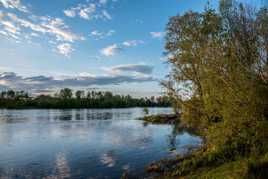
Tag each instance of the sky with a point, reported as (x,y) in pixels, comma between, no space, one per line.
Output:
(106,45)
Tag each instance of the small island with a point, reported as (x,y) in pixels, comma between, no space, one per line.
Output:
(161,119)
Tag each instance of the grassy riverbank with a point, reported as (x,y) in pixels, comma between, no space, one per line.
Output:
(207,162)
(216,165)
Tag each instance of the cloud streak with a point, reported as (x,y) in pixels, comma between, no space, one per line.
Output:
(65,49)
(131,68)
(132,43)
(13,4)
(113,49)
(97,35)
(157,35)
(114,76)
(29,26)
(90,10)
(110,50)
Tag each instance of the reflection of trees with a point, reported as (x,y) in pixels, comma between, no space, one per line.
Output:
(172,137)
(64,115)
(78,115)
(99,115)
(13,116)
(67,115)
(177,130)
(93,114)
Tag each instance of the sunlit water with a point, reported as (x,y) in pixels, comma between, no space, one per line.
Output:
(84,143)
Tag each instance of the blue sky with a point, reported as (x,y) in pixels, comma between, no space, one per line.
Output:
(114,45)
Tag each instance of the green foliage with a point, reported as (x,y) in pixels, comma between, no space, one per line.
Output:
(146,111)
(161,119)
(219,78)
(220,61)
(66,99)
(257,168)
(66,93)
(79,94)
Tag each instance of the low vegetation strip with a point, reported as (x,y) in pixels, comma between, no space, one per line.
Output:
(161,119)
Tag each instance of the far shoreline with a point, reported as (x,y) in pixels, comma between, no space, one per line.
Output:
(35,108)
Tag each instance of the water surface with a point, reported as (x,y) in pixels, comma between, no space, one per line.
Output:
(84,143)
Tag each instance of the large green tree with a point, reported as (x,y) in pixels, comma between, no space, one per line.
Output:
(219,73)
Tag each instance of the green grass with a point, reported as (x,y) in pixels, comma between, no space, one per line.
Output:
(206,165)
(232,170)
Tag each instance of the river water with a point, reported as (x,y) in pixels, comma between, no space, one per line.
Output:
(86,143)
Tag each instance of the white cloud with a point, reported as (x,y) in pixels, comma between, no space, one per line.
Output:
(33,34)
(13,4)
(28,26)
(133,69)
(167,57)
(25,23)
(9,29)
(96,33)
(110,50)
(157,34)
(132,43)
(89,11)
(106,15)
(102,1)
(37,83)
(12,26)
(106,1)
(57,27)
(113,49)
(86,74)
(101,35)
(70,13)
(3,33)
(65,49)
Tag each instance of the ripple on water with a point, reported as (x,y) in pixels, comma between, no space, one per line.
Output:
(84,143)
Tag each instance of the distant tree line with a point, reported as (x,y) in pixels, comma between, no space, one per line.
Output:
(67,98)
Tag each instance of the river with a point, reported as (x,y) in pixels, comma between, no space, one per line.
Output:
(86,143)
